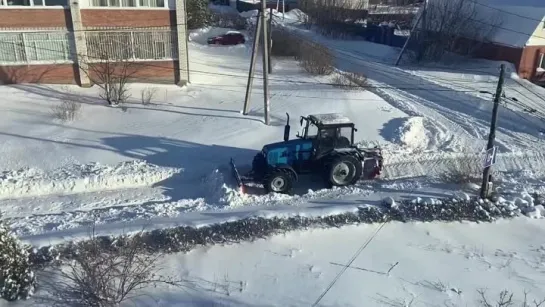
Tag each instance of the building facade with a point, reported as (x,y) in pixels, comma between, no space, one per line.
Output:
(55,41)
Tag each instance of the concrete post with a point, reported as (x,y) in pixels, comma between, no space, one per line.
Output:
(181,32)
(80,44)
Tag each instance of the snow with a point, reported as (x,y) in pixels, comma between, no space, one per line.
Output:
(186,137)
(415,132)
(330,118)
(425,263)
(166,164)
(81,178)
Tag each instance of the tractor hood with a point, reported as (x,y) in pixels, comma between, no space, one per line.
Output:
(286,145)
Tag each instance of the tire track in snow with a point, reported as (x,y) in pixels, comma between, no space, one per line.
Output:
(406,165)
(462,132)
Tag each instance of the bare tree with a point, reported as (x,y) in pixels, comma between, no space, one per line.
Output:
(105,274)
(111,66)
(458,26)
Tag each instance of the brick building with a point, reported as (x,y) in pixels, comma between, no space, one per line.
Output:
(53,41)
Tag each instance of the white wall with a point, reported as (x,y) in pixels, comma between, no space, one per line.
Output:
(538,37)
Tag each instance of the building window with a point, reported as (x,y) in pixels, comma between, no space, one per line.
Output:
(138,45)
(128,3)
(541,64)
(34,47)
(34,2)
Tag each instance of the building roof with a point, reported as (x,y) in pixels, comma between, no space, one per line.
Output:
(518,19)
(514,21)
(330,119)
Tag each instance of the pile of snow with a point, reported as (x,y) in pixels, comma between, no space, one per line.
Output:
(80,178)
(218,190)
(416,133)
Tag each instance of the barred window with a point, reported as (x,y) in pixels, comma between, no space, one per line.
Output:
(34,2)
(34,47)
(139,45)
(124,3)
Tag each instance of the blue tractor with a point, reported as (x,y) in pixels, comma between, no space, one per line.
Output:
(325,147)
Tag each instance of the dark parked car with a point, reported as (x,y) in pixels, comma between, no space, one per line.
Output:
(229,38)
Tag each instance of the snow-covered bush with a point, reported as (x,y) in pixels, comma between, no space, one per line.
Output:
(17,278)
(198,14)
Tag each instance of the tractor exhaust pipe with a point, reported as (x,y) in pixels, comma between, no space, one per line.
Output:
(287,129)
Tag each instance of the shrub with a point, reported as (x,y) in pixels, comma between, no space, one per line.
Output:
(104,274)
(316,59)
(350,81)
(67,110)
(147,95)
(17,280)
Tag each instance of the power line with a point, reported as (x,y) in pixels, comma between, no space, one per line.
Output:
(506,12)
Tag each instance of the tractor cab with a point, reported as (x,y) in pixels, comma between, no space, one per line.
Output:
(328,132)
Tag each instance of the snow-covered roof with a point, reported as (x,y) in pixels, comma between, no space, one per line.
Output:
(330,118)
(518,19)
(514,21)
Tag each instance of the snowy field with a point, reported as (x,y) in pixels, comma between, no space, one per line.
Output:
(166,164)
(400,264)
(437,265)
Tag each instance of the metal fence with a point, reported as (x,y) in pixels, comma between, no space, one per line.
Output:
(58,46)
(27,47)
(138,45)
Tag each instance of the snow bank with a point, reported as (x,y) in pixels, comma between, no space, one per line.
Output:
(81,178)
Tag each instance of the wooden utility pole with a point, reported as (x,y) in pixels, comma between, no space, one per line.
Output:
(265,63)
(411,33)
(492,136)
(269,37)
(257,34)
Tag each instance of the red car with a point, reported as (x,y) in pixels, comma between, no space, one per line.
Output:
(229,38)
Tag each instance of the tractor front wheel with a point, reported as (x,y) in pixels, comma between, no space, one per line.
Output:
(344,170)
(278,181)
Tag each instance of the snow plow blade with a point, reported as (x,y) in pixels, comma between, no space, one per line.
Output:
(236,174)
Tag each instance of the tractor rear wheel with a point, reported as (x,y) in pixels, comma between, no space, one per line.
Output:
(278,181)
(344,170)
